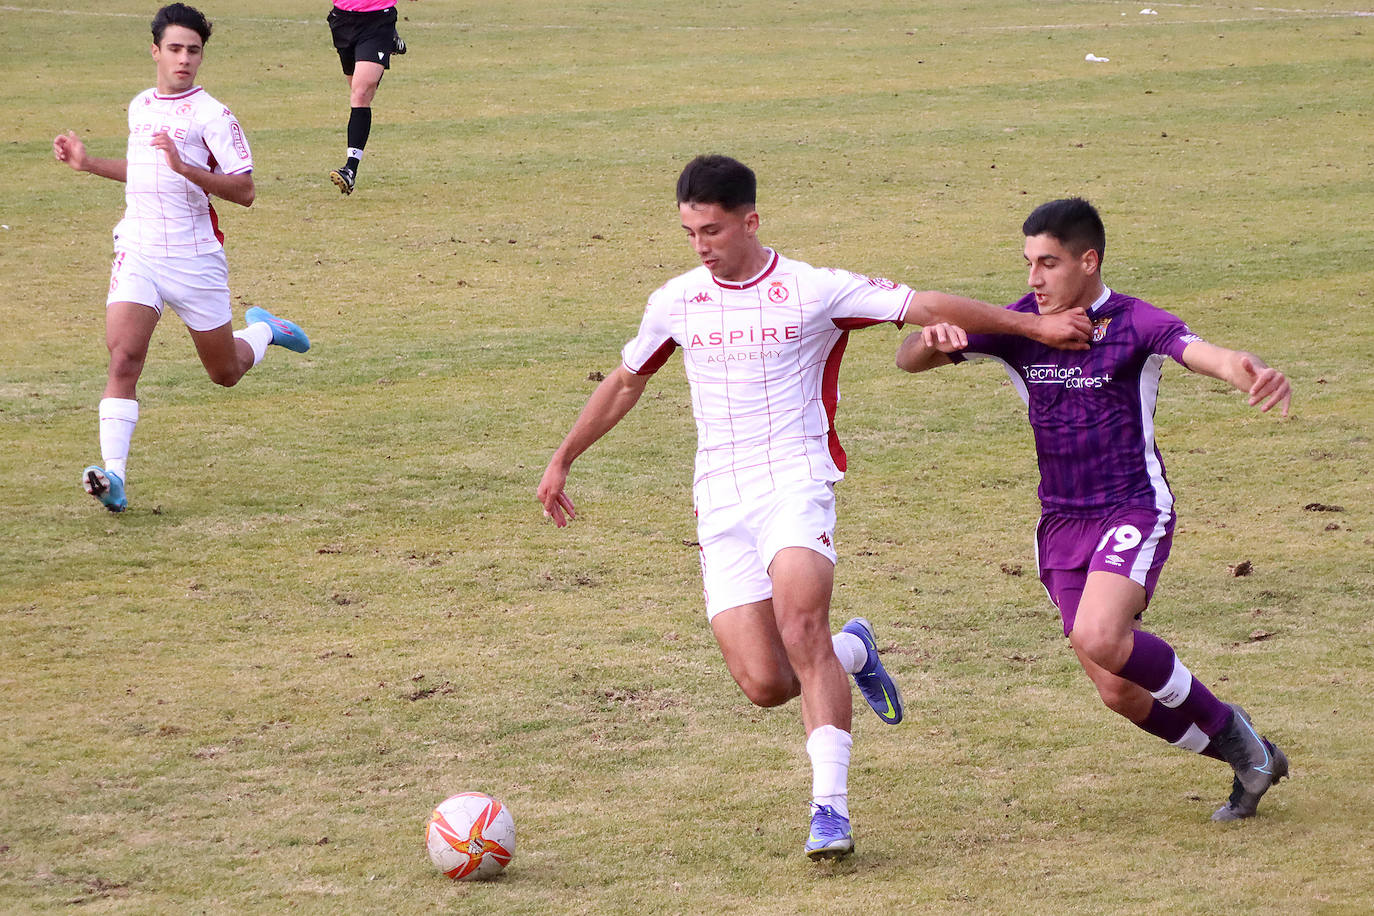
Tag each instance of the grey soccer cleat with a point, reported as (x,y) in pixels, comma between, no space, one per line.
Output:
(1258,764)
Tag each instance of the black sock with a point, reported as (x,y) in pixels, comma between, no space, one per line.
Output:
(359,126)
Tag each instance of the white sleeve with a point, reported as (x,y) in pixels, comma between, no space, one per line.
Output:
(227,144)
(858,298)
(646,353)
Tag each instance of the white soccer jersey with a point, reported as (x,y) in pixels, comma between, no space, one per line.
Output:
(165,215)
(763,360)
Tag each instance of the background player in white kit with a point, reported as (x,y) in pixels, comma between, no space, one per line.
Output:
(183,147)
(762,337)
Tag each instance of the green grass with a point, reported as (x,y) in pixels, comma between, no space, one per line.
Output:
(335,600)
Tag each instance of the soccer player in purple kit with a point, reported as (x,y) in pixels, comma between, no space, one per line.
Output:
(1107,517)
(762,337)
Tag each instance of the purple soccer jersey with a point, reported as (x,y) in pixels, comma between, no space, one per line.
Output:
(1092,411)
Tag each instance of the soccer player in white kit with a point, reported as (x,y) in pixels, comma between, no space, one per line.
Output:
(183,147)
(762,337)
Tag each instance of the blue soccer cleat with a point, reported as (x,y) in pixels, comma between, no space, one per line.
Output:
(285,333)
(873,680)
(830,836)
(106,487)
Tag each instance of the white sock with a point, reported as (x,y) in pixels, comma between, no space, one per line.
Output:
(851,651)
(118,417)
(355,154)
(828,748)
(1194,739)
(258,336)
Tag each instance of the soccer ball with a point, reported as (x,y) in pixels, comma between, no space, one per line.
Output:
(470,835)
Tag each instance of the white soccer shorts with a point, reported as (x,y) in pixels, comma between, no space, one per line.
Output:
(197,287)
(739,542)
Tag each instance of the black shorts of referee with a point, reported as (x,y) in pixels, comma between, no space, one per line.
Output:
(363,36)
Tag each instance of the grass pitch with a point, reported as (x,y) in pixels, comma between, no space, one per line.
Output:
(335,602)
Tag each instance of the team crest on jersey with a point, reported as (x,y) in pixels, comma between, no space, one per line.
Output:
(777,292)
(184,108)
(1100,328)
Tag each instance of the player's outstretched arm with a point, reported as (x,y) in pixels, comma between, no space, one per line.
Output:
(1068,330)
(1267,387)
(237,189)
(68,148)
(608,404)
(927,348)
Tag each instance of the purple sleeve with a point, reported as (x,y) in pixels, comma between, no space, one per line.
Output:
(1162,332)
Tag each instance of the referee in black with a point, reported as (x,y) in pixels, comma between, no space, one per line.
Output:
(365,36)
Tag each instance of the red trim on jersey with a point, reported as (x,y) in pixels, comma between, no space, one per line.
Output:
(657,359)
(854,324)
(214,224)
(214,217)
(172,98)
(726,284)
(830,396)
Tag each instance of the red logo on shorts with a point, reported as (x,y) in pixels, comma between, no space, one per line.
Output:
(114,270)
(823,538)
(777,292)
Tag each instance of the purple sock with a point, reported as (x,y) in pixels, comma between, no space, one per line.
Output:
(1153,665)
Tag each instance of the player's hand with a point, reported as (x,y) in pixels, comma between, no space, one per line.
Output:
(557,505)
(68,148)
(164,142)
(1070,330)
(1270,387)
(947,338)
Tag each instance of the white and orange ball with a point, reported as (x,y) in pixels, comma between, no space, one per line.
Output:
(470,836)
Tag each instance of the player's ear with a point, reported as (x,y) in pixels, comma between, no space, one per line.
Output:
(751,221)
(1090,261)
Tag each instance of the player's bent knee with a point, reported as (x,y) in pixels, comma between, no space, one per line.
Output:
(125,365)
(799,631)
(768,692)
(1101,645)
(226,378)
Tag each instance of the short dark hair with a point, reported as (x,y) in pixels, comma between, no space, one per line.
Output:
(182,15)
(1073,221)
(716,179)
